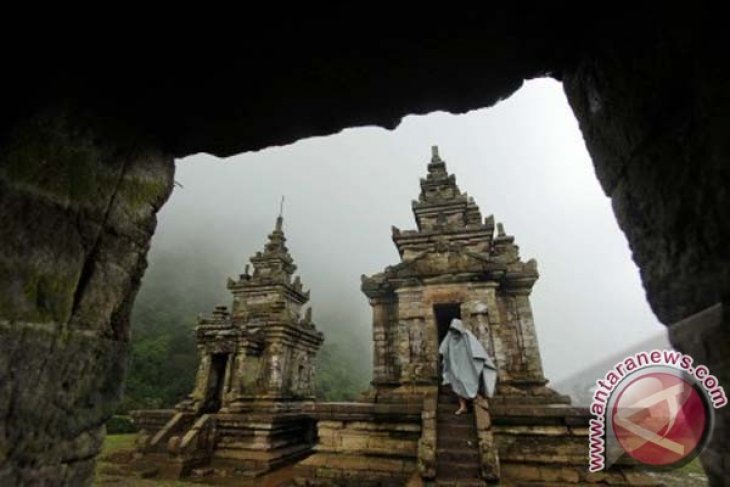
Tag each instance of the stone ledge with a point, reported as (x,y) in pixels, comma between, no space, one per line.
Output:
(367,412)
(530,400)
(251,417)
(539,415)
(357,463)
(564,475)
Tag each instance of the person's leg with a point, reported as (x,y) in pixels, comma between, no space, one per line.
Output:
(462,405)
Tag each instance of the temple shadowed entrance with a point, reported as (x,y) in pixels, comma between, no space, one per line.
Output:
(443,314)
(213,399)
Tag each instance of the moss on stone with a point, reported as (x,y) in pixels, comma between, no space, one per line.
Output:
(46,157)
(140,193)
(48,296)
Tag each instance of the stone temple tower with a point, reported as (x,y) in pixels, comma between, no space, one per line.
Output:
(248,411)
(453,266)
(264,348)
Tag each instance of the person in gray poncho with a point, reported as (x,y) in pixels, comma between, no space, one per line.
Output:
(466,364)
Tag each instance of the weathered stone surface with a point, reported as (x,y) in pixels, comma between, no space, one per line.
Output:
(152,420)
(543,445)
(428,437)
(78,210)
(329,469)
(654,115)
(650,154)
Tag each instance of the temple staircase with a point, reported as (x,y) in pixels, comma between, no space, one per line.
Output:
(184,442)
(457,444)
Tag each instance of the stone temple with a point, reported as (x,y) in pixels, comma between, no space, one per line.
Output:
(453,266)
(252,406)
(255,378)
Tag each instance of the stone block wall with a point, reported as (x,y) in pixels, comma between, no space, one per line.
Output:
(548,445)
(363,444)
(151,420)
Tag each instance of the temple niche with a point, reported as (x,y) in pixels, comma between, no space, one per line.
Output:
(255,381)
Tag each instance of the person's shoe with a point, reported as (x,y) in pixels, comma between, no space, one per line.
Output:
(460,410)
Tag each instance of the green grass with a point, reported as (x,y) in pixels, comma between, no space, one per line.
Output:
(690,475)
(115,443)
(693,467)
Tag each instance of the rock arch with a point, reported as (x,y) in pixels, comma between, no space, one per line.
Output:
(87,160)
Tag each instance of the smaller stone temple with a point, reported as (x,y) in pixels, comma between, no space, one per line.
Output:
(255,378)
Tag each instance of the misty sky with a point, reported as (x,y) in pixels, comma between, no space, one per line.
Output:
(522,160)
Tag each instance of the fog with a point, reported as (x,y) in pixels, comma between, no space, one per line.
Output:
(522,160)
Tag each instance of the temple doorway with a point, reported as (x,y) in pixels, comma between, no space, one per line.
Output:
(213,395)
(443,314)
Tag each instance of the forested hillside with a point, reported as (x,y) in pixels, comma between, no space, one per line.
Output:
(179,285)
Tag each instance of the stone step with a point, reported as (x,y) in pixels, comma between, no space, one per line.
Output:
(463,469)
(448,440)
(452,471)
(461,437)
(463,425)
(460,483)
(461,456)
(464,430)
(451,418)
(453,404)
(457,442)
(450,401)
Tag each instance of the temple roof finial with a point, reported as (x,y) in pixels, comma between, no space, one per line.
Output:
(280,218)
(435,154)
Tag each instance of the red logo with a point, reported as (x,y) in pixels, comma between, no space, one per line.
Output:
(660,418)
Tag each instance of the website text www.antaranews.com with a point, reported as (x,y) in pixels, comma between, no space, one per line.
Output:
(628,366)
